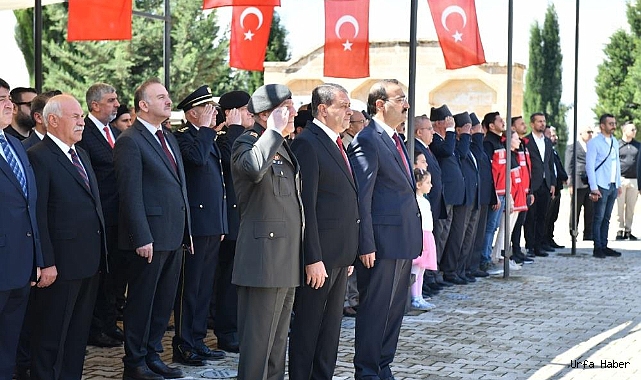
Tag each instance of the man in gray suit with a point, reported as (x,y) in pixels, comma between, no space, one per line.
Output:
(268,263)
(576,184)
(153,224)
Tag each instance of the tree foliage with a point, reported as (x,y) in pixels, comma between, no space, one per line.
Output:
(199,52)
(544,85)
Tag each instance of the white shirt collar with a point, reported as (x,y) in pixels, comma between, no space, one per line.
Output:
(389,130)
(63,147)
(150,127)
(332,135)
(40,136)
(97,122)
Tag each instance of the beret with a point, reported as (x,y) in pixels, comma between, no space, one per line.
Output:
(268,97)
(460,119)
(201,96)
(440,113)
(233,99)
(122,109)
(475,120)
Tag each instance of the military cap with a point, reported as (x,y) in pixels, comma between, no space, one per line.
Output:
(201,96)
(460,119)
(268,97)
(440,113)
(233,99)
(475,120)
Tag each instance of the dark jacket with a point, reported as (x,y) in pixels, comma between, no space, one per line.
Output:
(628,154)
(444,150)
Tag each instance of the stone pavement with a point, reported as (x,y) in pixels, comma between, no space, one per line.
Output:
(561,312)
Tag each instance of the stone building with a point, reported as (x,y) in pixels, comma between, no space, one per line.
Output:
(480,89)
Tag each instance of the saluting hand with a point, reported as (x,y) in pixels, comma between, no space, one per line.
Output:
(205,118)
(278,120)
(233,117)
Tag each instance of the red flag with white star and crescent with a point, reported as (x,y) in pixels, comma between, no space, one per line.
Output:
(346,39)
(207,4)
(96,20)
(249,34)
(458,32)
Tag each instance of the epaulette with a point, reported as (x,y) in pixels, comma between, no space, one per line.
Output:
(183,129)
(253,134)
(221,132)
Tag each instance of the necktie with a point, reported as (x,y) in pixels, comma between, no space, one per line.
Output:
(13,163)
(165,148)
(339,142)
(109,140)
(76,162)
(399,148)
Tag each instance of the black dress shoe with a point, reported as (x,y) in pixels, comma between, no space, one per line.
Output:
(631,237)
(186,356)
(611,252)
(455,280)
(547,248)
(444,283)
(598,253)
(553,244)
(530,253)
(103,340)
(233,345)
(208,353)
(541,253)
(480,273)
(469,278)
(116,333)
(620,235)
(164,370)
(140,373)
(434,286)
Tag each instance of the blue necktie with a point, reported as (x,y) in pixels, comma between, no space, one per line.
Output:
(13,163)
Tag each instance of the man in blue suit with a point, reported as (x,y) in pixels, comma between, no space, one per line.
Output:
(390,233)
(20,253)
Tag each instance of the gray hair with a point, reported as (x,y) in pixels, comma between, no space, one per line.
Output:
(96,92)
(325,94)
(53,107)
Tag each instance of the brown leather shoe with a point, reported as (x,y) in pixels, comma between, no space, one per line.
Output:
(349,311)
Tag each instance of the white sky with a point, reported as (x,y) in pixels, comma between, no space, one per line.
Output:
(389,20)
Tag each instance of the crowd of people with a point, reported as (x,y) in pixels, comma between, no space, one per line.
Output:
(272,222)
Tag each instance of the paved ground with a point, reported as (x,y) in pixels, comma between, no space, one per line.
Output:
(561,312)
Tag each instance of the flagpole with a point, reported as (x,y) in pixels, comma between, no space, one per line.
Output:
(37,44)
(508,135)
(574,231)
(166,18)
(411,88)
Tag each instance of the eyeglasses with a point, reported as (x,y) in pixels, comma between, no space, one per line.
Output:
(357,121)
(400,99)
(22,104)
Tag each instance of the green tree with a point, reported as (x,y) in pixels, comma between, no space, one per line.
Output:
(543,81)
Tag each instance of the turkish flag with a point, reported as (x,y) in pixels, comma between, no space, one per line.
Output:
(249,34)
(99,20)
(346,39)
(227,3)
(458,32)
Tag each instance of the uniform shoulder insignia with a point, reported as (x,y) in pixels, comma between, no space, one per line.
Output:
(183,129)
(253,134)
(221,132)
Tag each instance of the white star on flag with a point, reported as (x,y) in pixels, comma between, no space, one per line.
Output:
(249,35)
(457,36)
(347,46)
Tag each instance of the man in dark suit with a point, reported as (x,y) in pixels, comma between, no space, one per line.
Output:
(20,253)
(225,303)
(582,188)
(98,140)
(206,193)
(22,123)
(561,178)
(390,230)
(268,261)
(331,235)
(542,183)
(449,231)
(39,130)
(153,222)
(72,232)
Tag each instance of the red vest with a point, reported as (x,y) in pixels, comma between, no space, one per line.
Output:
(518,191)
(525,165)
(498,171)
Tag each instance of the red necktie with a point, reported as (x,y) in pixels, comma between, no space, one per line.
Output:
(109,140)
(161,137)
(399,148)
(339,142)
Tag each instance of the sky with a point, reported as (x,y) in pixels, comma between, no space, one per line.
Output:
(389,20)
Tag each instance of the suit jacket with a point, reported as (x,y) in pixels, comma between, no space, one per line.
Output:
(487,192)
(267,184)
(580,165)
(444,150)
(561,174)
(329,199)
(470,171)
(390,217)
(155,207)
(30,141)
(205,184)
(542,170)
(102,162)
(435,196)
(225,143)
(70,220)
(20,250)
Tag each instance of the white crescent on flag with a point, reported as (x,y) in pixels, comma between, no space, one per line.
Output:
(337,29)
(453,9)
(251,11)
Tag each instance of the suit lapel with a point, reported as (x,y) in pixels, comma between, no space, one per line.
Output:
(391,145)
(533,146)
(332,149)
(66,163)
(93,183)
(155,145)
(93,129)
